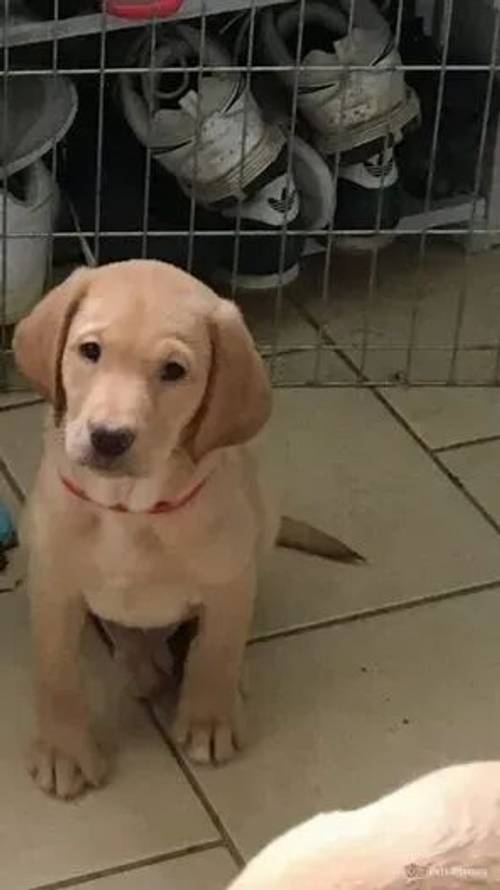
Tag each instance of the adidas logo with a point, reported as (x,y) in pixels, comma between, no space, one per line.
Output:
(285,203)
(380,165)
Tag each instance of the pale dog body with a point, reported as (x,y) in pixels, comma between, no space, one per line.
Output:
(130,566)
(441,832)
(151,570)
(136,568)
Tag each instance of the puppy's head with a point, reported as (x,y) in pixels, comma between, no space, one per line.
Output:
(139,358)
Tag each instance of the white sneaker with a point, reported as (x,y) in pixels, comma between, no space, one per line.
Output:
(196,128)
(345,109)
(36,112)
(32,202)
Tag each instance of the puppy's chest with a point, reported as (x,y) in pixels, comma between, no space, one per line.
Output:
(135,575)
(149,571)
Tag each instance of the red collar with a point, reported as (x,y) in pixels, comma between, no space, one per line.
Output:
(160,507)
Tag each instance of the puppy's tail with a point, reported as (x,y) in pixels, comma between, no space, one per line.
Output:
(297,535)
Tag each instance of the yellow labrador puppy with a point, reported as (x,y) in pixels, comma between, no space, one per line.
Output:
(441,832)
(147,509)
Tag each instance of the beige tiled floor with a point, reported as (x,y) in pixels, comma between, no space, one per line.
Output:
(351,710)
(404,292)
(148,810)
(478,468)
(444,417)
(209,870)
(360,677)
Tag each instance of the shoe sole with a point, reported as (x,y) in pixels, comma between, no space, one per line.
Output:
(363,243)
(398,121)
(48,144)
(260,282)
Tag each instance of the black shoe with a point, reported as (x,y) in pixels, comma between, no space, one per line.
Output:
(121,209)
(234,165)
(275,209)
(461,120)
(368,197)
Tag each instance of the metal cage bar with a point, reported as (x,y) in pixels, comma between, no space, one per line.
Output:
(340,306)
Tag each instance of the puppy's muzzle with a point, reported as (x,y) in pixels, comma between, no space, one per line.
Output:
(109,444)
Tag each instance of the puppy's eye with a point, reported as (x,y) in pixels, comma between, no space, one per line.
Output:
(90,351)
(172,371)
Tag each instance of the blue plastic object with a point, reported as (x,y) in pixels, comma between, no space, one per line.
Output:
(8,534)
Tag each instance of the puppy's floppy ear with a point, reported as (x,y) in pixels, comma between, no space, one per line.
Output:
(237,401)
(40,338)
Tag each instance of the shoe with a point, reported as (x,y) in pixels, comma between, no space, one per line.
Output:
(32,200)
(464,97)
(270,260)
(36,112)
(371,14)
(247,190)
(374,105)
(368,198)
(196,129)
(306,200)
(120,205)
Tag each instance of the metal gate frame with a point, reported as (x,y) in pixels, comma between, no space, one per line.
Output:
(472,25)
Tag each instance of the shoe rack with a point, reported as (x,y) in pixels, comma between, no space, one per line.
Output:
(471,220)
(39,32)
(473,22)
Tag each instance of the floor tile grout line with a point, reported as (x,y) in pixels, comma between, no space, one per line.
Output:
(195,785)
(456,482)
(382,399)
(198,790)
(15,406)
(135,865)
(366,614)
(467,443)
(225,841)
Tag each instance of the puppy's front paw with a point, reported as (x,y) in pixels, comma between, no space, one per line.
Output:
(67,775)
(209,736)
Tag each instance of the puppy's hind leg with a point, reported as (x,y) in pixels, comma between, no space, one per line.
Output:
(145,657)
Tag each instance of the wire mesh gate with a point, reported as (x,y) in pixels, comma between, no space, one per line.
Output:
(334,165)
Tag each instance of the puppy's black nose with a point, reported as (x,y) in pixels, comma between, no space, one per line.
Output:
(111,442)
